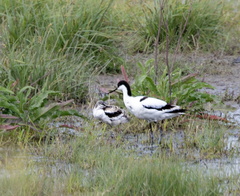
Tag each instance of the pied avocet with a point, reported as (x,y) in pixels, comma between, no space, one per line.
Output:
(110,114)
(148,108)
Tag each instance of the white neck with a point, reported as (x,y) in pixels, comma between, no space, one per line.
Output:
(125,92)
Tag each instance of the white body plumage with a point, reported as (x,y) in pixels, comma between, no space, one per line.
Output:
(148,108)
(110,114)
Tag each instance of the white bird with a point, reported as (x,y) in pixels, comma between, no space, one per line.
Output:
(148,108)
(110,114)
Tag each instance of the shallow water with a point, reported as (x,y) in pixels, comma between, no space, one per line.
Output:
(13,161)
(140,144)
(224,167)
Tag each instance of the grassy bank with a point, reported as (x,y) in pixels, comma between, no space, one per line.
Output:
(60,45)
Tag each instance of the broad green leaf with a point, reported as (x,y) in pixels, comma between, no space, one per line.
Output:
(140,79)
(5,90)
(49,110)
(68,113)
(46,112)
(152,85)
(9,98)
(184,89)
(38,99)
(23,97)
(25,88)
(11,107)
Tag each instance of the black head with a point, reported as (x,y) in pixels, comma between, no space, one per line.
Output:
(124,83)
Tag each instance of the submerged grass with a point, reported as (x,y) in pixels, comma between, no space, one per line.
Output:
(208,137)
(93,167)
(160,177)
(94,163)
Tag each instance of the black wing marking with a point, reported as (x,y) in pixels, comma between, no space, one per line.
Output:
(143,99)
(113,114)
(166,107)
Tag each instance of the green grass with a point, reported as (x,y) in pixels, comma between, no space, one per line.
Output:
(93,164)
(95,167)
(37,67)
(59,51)
(60,46)
(73,26)
(198,23)
(158,177)
(207,137)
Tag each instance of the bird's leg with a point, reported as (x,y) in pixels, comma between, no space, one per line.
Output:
(151,133)
(160,128)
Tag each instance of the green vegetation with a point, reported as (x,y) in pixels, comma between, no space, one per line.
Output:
(206,137)
(198,23)
(34,66)
(98,168)
(57,51)
(51,52)
(80,26)
(30,110)
(184,88)
(62,51)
